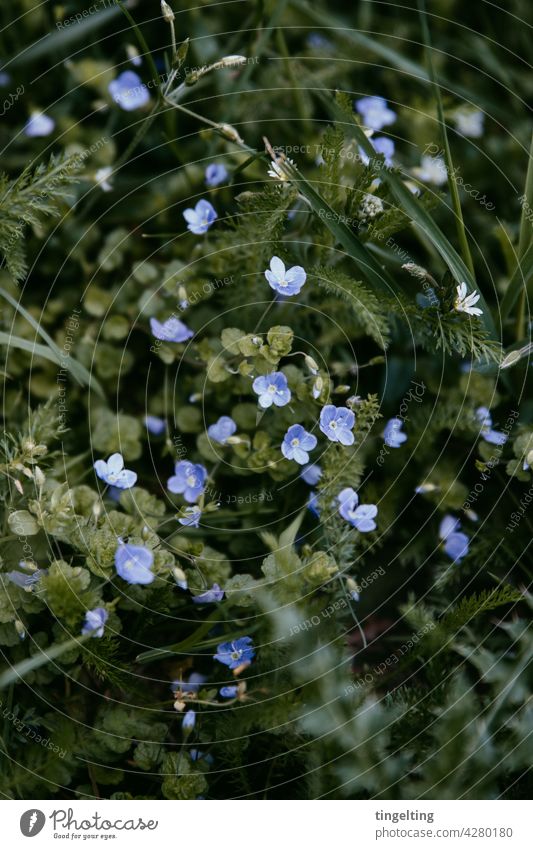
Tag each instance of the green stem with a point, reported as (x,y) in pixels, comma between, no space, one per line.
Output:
(525,225)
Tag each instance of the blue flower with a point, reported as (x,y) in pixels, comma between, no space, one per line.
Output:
(222,429)
(134,563)
(215,174)
(192,517)
(285,282)
(154,424)
(171,330)
(337,423)
(39,125)
(129,91)
(196,679)
(392,435)
(188,480)
(312,504)
(229,692)
(236,653)
(361,516)
(485,420)
(381,144)
(316,41)
(200,218)
(375,112)
(114,473)
(311,474)
(272,389)
(209,596)
(296,443)
(455,542)
(26,580)
(95,621)
(189,721)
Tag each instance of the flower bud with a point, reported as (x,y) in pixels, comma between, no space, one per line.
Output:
(20,629)
(188,723)
(180,577)
(230,133)
(311,364)
(167,12)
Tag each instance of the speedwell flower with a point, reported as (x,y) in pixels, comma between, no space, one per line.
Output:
(464,302)
(200,218)
(114,473)
(39,125)
(296,443)
(361,516)
(209,596)
(129,91)
(286,282)
(191,517)
(311,474)
(189,721)
(171,330)
(222,429)
(154,424)
(134,563)
(375,112)
(455,542)
(337,423)
(188,480)
(229,692)
(236,653)
(272,389)
(381,144)
(495,437)
(392,435)
(95,621)
(215,174)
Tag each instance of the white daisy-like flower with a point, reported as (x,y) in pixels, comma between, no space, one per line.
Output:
(464,302)
(277,169)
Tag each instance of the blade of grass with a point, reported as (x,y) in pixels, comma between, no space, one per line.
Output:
(518,283)
(43,656)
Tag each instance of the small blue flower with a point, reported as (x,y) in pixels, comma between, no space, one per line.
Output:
(285,282)
(215,174)
(272,389)
(316,41)
(188,480)
(229,692)
(455,542)
(392,435)
(312,504)
(375,112)
(381,144)
(361,516)
(171,330)
(222,429)
(198,755)
(192,517)
(236,653)
(134,563)
(296,443)
(311,474)
(209,596)
(39,125)
(95,621)
(494,437)
(155,425)
(337,423)
(189,721)
(114,473)
(25,580)
(129,91)
(200,218)
(196,679)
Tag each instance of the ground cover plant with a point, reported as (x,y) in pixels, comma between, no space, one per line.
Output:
(267,431)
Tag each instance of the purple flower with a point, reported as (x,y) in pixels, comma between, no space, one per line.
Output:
(392,434)
(188,480)
(154,424)
(236,653)
(229,692)
(375,112)
(361,516)
(95,621)
(200,218)
(171,330)
(209,596)
(285,282)
(114,473)
(455,542)
(337,423)
(494,437)
(189,721)
(192,517)
(222,429)
(381,144)
(215,174)
(39,125)
(134,563)
(296,443)
(311,474)
(272,389)
(128,91)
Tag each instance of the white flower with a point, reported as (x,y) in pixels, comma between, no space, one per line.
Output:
(370,206)
(102,178)
(464,302)
(469,123)
(432,170)
(277,170)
